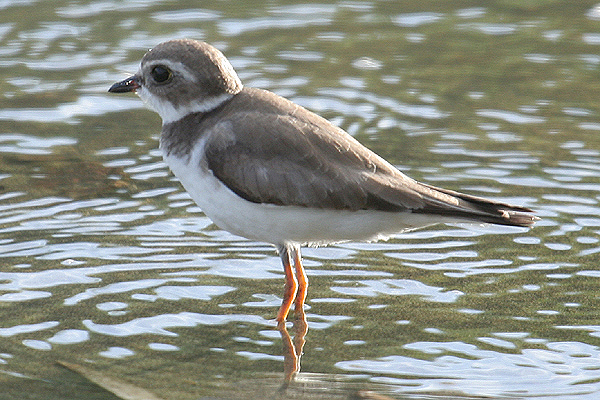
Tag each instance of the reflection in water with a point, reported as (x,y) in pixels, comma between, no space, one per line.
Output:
(292,348)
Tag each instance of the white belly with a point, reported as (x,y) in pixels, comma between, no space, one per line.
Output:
(280,224)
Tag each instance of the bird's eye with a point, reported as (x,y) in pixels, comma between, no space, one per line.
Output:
(161,74)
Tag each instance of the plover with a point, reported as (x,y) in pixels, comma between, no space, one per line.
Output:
(267,169)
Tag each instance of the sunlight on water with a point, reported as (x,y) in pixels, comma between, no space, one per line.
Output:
(490,372)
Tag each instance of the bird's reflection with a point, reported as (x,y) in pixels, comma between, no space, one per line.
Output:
(292,346)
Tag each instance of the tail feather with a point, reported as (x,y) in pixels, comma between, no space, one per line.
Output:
(485,210)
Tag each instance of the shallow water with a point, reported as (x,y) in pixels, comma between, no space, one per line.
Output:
(106,262)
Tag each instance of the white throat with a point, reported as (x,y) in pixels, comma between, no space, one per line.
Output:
(169,113)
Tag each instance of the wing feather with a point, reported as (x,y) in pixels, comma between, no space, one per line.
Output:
(308,162)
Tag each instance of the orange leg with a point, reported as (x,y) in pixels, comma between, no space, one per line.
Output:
(296,284)
(302,281)
(291,286)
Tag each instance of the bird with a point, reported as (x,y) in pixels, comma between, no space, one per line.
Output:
(267,169)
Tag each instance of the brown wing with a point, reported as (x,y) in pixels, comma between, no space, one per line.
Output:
(291,156)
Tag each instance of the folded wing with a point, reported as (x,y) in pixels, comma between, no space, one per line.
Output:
(311,163)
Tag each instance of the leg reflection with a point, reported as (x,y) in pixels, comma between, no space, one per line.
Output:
(292,348)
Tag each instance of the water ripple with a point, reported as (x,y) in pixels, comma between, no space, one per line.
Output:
(468,371)
(159,324)
(399,287)
(70,112)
